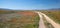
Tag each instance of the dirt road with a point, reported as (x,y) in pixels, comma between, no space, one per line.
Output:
(55,25)
(41,23)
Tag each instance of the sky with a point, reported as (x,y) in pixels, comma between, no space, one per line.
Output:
(29,4)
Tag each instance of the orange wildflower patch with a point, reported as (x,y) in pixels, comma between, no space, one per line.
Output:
(27,13)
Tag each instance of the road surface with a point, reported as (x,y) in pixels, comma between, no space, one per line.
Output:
(55,25)
(41,23)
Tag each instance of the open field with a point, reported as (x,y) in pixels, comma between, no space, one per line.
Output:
(23,19)
(26,19)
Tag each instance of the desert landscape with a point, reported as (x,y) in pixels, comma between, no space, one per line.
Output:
(23,19)
(27,19)
(29,13)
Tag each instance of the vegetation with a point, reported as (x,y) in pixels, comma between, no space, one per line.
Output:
(6,11)
(20,20)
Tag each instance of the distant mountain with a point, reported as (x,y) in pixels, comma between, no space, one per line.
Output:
(4,9)
(54,9)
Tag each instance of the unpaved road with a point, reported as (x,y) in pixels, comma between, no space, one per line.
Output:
(55,25)
(41,25)
(41,22)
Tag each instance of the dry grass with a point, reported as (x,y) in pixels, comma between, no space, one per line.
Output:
(6,11)
(22,20)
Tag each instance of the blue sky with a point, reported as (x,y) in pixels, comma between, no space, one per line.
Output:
(29,4)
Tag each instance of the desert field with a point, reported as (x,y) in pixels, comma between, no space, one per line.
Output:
(23,19)
(27,19)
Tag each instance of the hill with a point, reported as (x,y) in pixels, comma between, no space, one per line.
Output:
(6,11)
